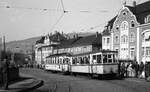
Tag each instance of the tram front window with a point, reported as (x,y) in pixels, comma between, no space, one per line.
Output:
(94,59)
(104,58)
(109,58)
(99,59)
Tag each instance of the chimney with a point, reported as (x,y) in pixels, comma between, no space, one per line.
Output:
(105,27)
(124,3)
(96,34)
(134,3)
(109,28)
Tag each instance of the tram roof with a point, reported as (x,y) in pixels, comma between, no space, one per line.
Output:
(100,51)
(60,54)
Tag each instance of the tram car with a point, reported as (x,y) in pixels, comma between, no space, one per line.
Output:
(92,63)
(58,62)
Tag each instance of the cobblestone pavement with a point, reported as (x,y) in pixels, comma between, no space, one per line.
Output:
(56,82)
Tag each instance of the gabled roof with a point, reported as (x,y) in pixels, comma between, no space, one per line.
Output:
(68,42)
(89,40)
(57,37)
(140,11)
(40,40)
(106,32)
(111,22)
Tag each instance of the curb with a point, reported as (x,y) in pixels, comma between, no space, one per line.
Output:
(37,85)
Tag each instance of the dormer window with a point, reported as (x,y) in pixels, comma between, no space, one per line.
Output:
(147,19)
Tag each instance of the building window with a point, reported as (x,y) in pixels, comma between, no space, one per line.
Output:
(146,36)
(117,27)
(124,39)
(147,19)
(104,40)
(124,26)
(117,39)
(132,53)
(147,51)
(108,40)
(124,13)
(143,51)
(132,37)
(132,24)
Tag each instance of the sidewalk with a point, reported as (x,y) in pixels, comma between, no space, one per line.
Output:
(138,80)
(24,85)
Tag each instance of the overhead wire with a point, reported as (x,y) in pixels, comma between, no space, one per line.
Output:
(60,2)
(61,16)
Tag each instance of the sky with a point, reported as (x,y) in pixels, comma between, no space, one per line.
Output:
(22,19)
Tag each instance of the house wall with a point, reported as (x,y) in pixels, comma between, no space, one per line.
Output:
(145,43)
(125,43)
(106,42)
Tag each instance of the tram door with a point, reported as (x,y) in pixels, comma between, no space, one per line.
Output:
(94,66)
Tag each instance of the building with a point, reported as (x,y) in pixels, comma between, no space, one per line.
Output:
(130,32)
(50,45)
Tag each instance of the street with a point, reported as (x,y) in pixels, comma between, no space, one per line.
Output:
(56,82)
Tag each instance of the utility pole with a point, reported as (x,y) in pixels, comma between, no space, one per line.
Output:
(0,49)
(4,47)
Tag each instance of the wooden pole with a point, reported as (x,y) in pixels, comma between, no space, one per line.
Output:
(0,48)
(4,44)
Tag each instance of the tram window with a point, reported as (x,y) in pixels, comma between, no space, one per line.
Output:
(67,60)
(73,61)
(81,60)
(109,58)
(94,57)
(114,60)
(104,58)
(99,59)
(63,61)
(109,55)
(86,60)
(77,60)
(60,60)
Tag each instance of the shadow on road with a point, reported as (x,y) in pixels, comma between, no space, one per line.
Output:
(21,78)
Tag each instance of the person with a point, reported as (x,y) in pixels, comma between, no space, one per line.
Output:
(5,74)
(136,69)
(141,69)
(147,70)
(135,66)
(122,70)
(129,69)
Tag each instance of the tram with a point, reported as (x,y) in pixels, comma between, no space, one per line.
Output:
(93,63)
(58,62)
